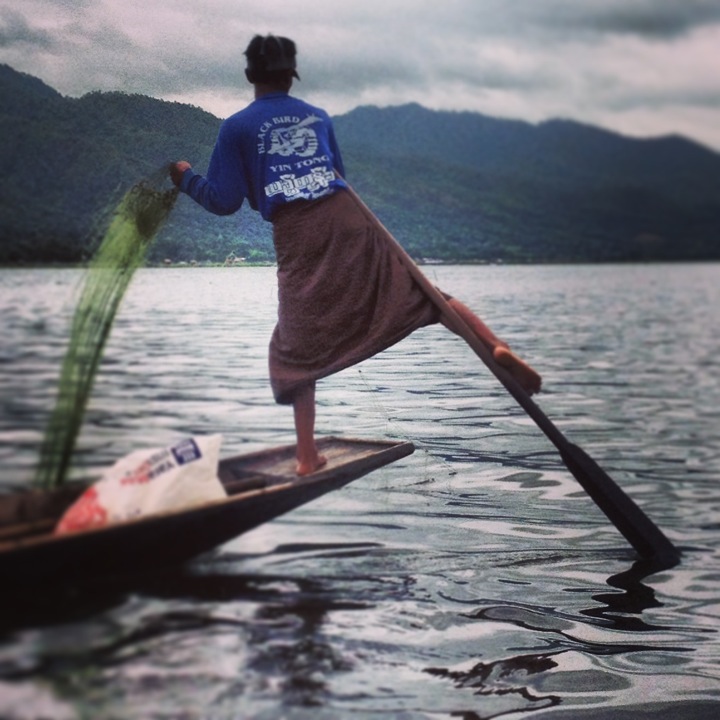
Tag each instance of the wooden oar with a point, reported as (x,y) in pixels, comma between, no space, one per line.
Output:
(626,516)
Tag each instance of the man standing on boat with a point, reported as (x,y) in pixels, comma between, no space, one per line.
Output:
(343,293)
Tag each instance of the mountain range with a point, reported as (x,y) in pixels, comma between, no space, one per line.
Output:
(451,186)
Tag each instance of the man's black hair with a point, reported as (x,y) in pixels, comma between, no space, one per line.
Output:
(270,59)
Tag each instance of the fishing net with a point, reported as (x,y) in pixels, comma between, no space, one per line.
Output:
(134,224)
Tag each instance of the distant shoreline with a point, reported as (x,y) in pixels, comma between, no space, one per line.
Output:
(434,263)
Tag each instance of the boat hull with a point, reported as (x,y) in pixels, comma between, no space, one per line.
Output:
(261,487)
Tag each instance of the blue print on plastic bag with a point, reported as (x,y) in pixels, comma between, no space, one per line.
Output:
(186,451)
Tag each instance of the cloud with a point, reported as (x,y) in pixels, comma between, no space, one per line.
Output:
(16,32)
(637,66)
(647,19)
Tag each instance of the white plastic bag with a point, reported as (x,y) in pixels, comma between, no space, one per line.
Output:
(150,481)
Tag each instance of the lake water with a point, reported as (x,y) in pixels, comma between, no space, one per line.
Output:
(473,579)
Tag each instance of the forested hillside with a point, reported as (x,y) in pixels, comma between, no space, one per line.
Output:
(450,186)
(68,161)
(466,186)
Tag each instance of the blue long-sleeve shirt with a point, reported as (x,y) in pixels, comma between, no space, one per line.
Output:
(277,150)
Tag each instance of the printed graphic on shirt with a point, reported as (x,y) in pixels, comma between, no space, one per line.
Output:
(299,171)
(297,139)
(312,185)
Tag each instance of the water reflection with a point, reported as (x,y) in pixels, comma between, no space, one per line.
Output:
(507,680)
(635,597)
(282,626)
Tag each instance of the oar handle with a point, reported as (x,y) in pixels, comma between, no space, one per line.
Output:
(454,321)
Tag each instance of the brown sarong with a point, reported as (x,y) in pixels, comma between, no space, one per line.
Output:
(343,294)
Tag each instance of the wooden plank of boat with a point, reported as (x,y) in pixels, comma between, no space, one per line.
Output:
(261,486)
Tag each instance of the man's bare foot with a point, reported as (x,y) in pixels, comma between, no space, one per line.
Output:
(530,380)
(307,467)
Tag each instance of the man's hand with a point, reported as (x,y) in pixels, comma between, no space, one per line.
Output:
(177,169)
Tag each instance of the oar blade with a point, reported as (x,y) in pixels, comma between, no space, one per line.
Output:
(628,518)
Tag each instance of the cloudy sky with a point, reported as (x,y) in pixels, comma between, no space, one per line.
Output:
(640,67)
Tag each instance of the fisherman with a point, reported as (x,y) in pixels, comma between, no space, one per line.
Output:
(343,295)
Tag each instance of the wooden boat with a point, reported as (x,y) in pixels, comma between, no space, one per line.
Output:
(260,486)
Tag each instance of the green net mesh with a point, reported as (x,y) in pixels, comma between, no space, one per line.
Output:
(134,224)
